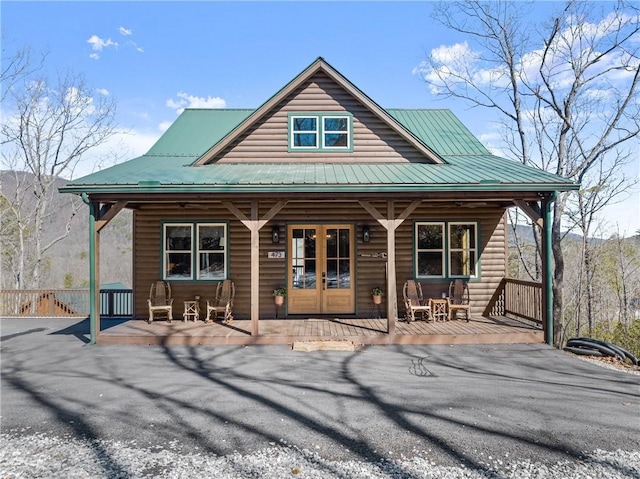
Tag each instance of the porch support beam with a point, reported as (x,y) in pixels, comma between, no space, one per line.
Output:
(391,223)
(255,268)
(255,224)
(108,212)
(94,266)
(532,210)
(547,273)
(392,295)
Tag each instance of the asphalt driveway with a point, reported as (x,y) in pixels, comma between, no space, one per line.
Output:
(453,404)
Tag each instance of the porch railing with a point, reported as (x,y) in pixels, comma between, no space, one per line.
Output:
(61,303)
(518,299)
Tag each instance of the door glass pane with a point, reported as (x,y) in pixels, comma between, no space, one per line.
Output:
(345,273)
(338,262)
(332,250)
(332,274)
(344,244)
(303,258)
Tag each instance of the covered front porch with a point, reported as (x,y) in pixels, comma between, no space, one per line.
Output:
(478,330)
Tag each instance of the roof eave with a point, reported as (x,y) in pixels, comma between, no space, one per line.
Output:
(308,188)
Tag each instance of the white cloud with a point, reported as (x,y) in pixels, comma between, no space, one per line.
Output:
(98,44)
(102,91)
(185,100)
(135,46)
(453,53)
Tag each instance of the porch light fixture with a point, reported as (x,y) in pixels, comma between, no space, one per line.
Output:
(366,234)
(275,234)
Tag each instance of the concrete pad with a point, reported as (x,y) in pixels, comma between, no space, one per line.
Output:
(325,345)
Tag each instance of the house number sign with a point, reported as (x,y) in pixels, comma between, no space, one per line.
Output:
(275,254)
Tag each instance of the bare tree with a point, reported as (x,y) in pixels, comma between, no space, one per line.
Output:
(566,92)
(49,128)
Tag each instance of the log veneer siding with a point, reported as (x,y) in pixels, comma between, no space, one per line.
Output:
(373,140)
(369,269)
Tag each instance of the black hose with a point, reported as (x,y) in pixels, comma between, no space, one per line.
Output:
(606,348)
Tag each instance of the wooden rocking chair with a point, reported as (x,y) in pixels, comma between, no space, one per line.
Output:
(414,302)
(225,292)
(160,300)
(459,299)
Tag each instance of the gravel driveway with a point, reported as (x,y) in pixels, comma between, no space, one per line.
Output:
(69,409)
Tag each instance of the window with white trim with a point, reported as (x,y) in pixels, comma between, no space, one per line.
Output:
(195,251)
(446,249)
(320,132)
(462,249)
(430,250)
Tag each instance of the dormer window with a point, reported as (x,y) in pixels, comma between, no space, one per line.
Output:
(320,132)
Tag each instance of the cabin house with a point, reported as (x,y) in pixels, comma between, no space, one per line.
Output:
(324,192)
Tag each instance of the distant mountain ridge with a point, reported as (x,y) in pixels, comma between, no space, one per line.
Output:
(69,257)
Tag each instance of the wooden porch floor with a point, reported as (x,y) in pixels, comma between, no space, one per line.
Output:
(479,330)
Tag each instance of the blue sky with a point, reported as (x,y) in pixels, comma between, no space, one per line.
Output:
(237,54)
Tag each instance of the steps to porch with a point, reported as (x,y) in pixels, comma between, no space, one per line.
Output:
(479,330)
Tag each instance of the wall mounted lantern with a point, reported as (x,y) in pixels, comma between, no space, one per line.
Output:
(275,234)
(366,234)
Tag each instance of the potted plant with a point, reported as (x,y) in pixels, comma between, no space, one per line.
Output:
(377,293)
(279,294)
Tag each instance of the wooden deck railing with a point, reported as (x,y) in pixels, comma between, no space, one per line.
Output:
(63,303)
(518,299)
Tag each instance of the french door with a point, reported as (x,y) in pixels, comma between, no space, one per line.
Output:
(321,266)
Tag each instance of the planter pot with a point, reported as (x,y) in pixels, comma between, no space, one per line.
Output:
(377,299)
(279,300)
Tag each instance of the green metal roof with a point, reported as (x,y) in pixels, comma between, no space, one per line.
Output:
(167,166)
(440,130)
(196,130)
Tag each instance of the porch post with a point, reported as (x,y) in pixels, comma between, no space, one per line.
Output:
(255,269)
(392,295)
(391,223)
(94,318)
(254,224)
(547,287)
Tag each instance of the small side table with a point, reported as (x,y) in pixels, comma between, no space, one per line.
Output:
(439,309)
(191,310)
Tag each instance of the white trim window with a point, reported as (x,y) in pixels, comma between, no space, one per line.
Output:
(200,256)
(453,254)
(463,250)
(177,254)
(304,132)
(430,247)
(336,132)
(316,132)
(212,254)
